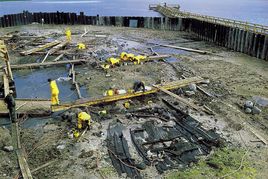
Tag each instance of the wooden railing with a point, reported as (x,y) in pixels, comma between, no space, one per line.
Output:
(174,12)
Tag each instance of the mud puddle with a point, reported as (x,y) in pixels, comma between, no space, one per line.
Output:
(33,84)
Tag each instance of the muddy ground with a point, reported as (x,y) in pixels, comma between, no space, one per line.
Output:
(234,78)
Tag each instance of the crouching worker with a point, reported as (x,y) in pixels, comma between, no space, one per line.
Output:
(10,101)
(83,120)
(138,86)
(109,92)
(54,92)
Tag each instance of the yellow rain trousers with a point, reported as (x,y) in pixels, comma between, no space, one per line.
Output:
(54,93)
(83,117)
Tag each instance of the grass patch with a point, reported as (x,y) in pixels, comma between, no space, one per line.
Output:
(107,171)
(224,162)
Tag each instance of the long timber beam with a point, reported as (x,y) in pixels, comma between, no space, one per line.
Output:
(106,99)
(41,47)
(37,65)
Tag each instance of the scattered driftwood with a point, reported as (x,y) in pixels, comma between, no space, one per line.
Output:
(43,166)
(41,47)
(58,57)
(86,31)
(54,49)
(37,65)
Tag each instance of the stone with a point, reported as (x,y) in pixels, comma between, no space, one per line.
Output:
(248,110)
(207,81)
(248,104)
(189,93)
(8,148)
(141,166)
(61,147)
(256,110)
(192,87)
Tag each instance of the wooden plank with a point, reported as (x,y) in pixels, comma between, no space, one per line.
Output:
(158,57)
(41,47)
(178,97)
(24,168)
(78,90)
(256,133)
(37,65)
(186,49)
(106,99)
(75,83)
(58,57)
(58,47)
(6,85)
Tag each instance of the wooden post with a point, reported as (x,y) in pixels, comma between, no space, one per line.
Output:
(264,48)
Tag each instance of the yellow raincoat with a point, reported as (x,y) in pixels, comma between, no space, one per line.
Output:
(114,61)
(139,58)
(81,46)
(83,117)
(123,56)
(110,92)
(130,56)
(68,34)
(54,93)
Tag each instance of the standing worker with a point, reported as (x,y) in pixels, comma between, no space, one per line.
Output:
(10,101)
(68,34)
(138,85)
(54,92)
(83,120)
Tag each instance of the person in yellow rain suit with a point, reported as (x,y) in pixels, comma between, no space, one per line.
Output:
(123,56)
(83,120)
(68,34)
(105,67)
(130,56)
(114,61)
(54,92)
(81,46)
(138,59)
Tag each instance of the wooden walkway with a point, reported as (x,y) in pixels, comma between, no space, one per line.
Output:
(24,168)
(107,99)
(172,11)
